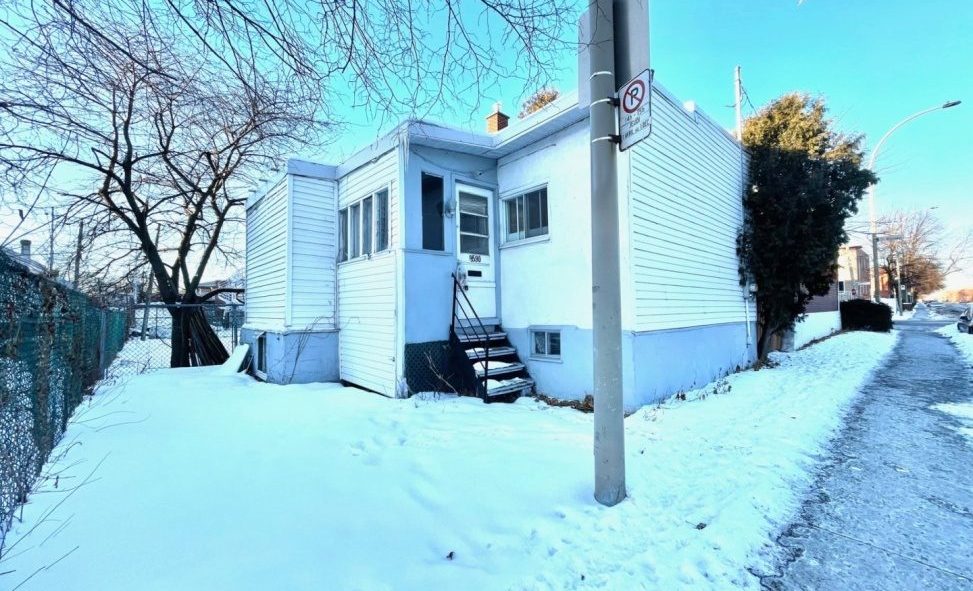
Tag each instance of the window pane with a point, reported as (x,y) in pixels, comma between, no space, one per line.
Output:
(474,224)
(262,354)
(343,235)
(522,217)
(475,204)
(554,344)
(544,209)
(540,343)
(354,228)
(533,203)
(366,225)
(433,237)
(474,244)
(513,227)
(381,220)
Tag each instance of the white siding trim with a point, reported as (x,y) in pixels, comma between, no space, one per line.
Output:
(400,279)
(289,260)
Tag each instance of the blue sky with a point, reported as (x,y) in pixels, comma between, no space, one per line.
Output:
(874,61)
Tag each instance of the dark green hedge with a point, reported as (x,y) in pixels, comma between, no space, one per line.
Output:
(865,315)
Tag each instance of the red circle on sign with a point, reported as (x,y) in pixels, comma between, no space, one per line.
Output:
(633,96)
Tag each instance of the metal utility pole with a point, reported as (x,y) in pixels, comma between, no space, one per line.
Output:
(738,102)
(898,281)
(609,442)
(876,279)
(871,188)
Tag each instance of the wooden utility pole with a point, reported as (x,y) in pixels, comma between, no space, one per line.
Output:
(77,255)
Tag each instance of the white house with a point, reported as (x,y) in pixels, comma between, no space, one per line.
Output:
(350,268)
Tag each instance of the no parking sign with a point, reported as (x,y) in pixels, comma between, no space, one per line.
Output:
(635,110)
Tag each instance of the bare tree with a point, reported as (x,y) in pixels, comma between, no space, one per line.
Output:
(153,138)
(158,115)
(538,101)
(920,252)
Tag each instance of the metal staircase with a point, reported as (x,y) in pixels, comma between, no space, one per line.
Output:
(484,363)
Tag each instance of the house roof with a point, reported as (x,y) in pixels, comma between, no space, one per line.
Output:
(550,119)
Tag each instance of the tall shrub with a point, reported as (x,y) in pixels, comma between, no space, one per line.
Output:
(805,181)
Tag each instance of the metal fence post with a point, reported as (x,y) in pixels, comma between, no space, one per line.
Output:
(102,342)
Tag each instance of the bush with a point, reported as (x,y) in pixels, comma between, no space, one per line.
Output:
(865,315)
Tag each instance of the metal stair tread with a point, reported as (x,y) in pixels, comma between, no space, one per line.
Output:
(477,353)
(502,387)
(497,367)
(475,338)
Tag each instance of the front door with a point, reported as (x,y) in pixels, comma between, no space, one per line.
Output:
(475,246)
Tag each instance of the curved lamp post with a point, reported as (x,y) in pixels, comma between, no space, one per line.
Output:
(876,284)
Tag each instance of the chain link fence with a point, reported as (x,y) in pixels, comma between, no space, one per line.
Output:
(55,343)
(149,346)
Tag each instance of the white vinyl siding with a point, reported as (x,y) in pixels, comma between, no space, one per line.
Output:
(267,259)
(313,253)
(291,251)
(367,344)
(685,212)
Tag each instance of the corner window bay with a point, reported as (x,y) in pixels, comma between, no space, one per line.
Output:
(474,251)
(363,227)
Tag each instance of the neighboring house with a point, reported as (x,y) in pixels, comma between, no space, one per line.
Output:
(350,268)
(223,298)
(854,274)
(25,258)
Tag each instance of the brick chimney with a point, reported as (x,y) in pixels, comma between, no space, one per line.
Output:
(496,120)
(25,248)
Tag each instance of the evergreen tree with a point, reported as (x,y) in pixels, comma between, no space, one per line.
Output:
(805,181)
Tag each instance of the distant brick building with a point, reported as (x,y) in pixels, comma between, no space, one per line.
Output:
(854,274)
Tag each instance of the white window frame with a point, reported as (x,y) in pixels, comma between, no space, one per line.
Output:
(373,231)
(260,356)
(522,237)
(547,355)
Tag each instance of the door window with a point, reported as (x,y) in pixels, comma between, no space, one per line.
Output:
(474,224)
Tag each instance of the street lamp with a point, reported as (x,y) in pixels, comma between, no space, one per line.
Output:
(871,190)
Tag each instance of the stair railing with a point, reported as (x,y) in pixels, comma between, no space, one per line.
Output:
(478,329)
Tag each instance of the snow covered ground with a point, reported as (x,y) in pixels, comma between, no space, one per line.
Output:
(963,411)
(202,479)
(963,342)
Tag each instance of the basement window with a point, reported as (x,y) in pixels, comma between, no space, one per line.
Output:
(260,358)
(545,344)
(525,215)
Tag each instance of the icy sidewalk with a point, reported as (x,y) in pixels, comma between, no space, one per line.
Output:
(194,479)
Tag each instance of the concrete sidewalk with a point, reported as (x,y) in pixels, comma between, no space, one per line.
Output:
(892,508)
